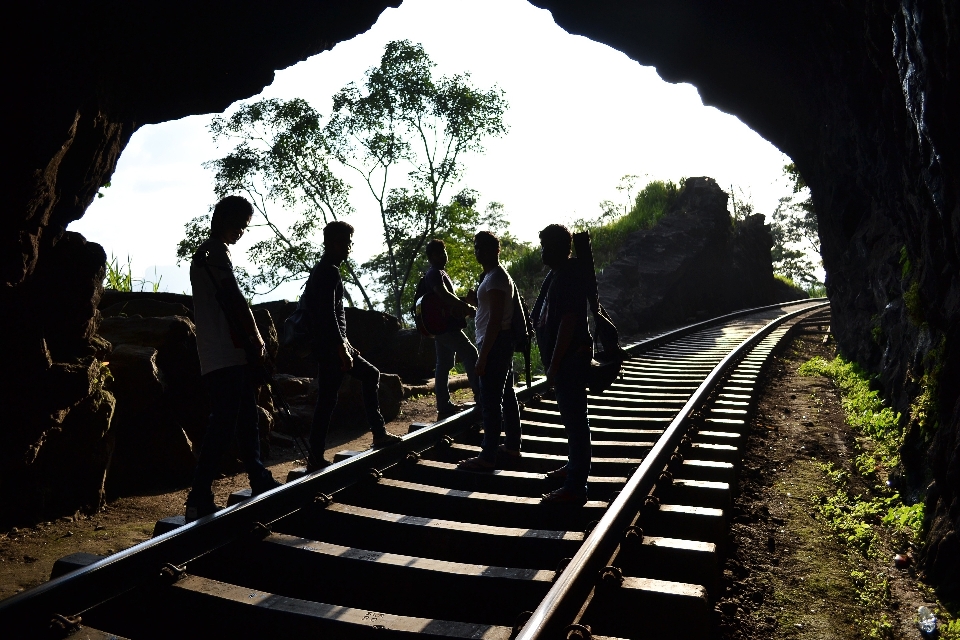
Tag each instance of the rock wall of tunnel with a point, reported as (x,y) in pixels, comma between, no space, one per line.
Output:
(861,94)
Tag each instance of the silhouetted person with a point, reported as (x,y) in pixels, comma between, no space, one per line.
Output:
(498,401)
(451,342)
(566,348)
(231,352)
(335,355)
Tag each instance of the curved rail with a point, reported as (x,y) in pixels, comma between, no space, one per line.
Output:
(138,566)
(583,572)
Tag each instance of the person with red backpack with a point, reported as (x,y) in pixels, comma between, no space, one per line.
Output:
(495,299)
(450,341)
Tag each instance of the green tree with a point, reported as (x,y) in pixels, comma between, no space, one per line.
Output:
(280,162)
(404,132)
(795,233)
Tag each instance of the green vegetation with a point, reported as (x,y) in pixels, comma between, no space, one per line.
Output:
(906,268)
(863,522)
(790,283)
(913,304)
(120,277)
(608,232)
(879,425)
(795,235)
(923,411)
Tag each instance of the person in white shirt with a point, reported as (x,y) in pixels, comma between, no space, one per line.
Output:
(231,352)
(495,304)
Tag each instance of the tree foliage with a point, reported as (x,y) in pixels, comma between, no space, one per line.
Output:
(795,233)
(280,163)
(404,133)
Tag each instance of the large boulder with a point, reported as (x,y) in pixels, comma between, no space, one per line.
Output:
(146,307)
(151,447)
(695,263)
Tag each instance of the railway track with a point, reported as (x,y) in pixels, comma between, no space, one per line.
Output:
(397,541)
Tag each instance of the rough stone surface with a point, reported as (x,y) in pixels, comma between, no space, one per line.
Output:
(693,265)
(145,308)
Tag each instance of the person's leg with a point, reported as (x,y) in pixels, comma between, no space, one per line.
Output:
(445,361)
(224,386)
(329,378)
(369,377)
(571,389)
(468,356)
(248,436)
(492,384)
(511,412)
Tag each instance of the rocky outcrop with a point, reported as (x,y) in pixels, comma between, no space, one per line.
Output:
(695,263)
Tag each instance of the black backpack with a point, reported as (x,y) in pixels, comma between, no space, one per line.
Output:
(521,328)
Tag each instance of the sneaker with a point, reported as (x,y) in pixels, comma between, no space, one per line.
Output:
(317,464)
(386,439)
(197,508)
(509,454)
(264,484)
(450,410)
(564,496)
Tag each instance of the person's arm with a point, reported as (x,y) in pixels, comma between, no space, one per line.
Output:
(234,306)
(568,323)
(450,301)
(498,302)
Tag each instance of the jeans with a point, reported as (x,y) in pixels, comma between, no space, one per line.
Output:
(498,399)
(448,346)
(571,390)
(233,410)
(329,379)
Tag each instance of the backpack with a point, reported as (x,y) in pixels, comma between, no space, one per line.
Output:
(521,327)
(297,336)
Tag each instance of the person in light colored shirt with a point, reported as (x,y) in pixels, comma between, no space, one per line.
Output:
(495,299)
(231,352)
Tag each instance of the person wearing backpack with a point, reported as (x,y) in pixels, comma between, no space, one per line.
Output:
(231,351)
(495,298)
(336,357)
(452,342)
(566,347)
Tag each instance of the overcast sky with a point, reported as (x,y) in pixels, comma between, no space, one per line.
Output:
(581,116)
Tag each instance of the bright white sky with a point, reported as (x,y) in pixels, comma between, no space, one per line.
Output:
(581,116)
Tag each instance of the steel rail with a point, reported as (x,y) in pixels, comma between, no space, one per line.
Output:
(568,594)
(124,571)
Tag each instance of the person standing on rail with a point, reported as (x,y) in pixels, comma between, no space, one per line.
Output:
(495,306)
(566,347)
(452,342)
(336,356)
(231,357)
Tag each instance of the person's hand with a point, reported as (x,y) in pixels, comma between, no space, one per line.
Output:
(346,360)
(468,309)
(471,297)
(481,367)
